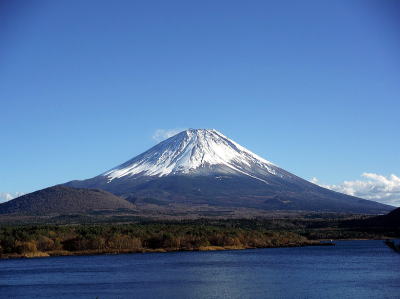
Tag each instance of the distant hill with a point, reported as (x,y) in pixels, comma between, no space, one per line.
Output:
(388,224)
(64,200)
(391,219)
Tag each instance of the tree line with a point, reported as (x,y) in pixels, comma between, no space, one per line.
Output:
(116,238)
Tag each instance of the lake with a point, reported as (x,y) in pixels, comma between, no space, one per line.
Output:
(351,269)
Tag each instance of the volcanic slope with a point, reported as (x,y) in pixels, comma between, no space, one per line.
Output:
(204,167)
(64,200)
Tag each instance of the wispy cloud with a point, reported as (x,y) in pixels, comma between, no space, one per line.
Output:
(162,134)
(380,188)
(6,196)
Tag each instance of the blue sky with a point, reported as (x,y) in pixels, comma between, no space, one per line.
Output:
(313,86)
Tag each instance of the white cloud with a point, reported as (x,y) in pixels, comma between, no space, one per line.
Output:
(384,189)
(5,196)
(162,134)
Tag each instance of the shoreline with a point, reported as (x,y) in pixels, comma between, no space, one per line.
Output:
(41,254)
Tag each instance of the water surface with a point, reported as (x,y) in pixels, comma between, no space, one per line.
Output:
(351,269)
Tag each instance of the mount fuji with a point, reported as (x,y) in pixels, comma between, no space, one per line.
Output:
(199,167)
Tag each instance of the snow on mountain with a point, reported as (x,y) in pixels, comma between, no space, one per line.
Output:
(196,151)
(204,168)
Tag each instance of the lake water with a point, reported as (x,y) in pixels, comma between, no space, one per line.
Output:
(351,269)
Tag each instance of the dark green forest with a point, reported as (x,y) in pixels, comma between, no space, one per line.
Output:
(202,234)
(43,240)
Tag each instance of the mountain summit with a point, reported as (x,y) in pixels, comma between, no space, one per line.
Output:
(204,168)
(196,152)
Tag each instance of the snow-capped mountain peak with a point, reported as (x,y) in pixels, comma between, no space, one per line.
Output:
(195,151)
(197,171)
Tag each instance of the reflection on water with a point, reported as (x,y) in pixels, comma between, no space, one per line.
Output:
(356,269)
